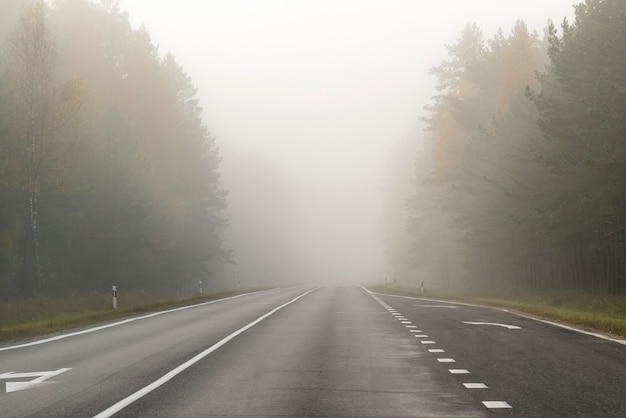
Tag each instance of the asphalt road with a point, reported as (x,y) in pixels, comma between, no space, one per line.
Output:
(330,351)
(538,369)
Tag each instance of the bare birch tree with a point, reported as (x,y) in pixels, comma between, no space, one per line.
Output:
(37,114)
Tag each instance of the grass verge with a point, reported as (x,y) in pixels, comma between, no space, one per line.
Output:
(22,319)
(596,313)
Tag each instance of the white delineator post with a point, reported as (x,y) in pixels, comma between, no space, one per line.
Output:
(200,285)
(114,297)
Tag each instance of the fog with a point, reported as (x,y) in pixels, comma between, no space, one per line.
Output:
(307,100)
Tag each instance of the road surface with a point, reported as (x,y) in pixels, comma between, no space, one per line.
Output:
(323,352)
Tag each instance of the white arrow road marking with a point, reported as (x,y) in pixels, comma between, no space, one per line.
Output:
(438,306)
(494,324)
(41,377)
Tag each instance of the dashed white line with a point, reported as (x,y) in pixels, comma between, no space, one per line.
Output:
(496,404)
(475,385)
(471,385)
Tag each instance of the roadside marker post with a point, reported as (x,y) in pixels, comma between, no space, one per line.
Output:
(200,285)
(114,291)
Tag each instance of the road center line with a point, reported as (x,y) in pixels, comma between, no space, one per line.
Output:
(173,373)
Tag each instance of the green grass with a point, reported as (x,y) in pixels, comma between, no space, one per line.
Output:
(599,313)
(21,319)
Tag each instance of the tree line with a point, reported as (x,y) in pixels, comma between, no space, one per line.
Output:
(108,174)
(526,140)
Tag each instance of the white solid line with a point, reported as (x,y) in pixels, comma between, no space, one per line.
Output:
(458,371)
(436,350)
(556,324)
(496,404)
(446,360)
(114,324)
(176,371)
(475,385)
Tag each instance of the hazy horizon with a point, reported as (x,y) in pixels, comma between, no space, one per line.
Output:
(321,91)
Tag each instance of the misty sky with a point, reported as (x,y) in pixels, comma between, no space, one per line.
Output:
(323,90)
